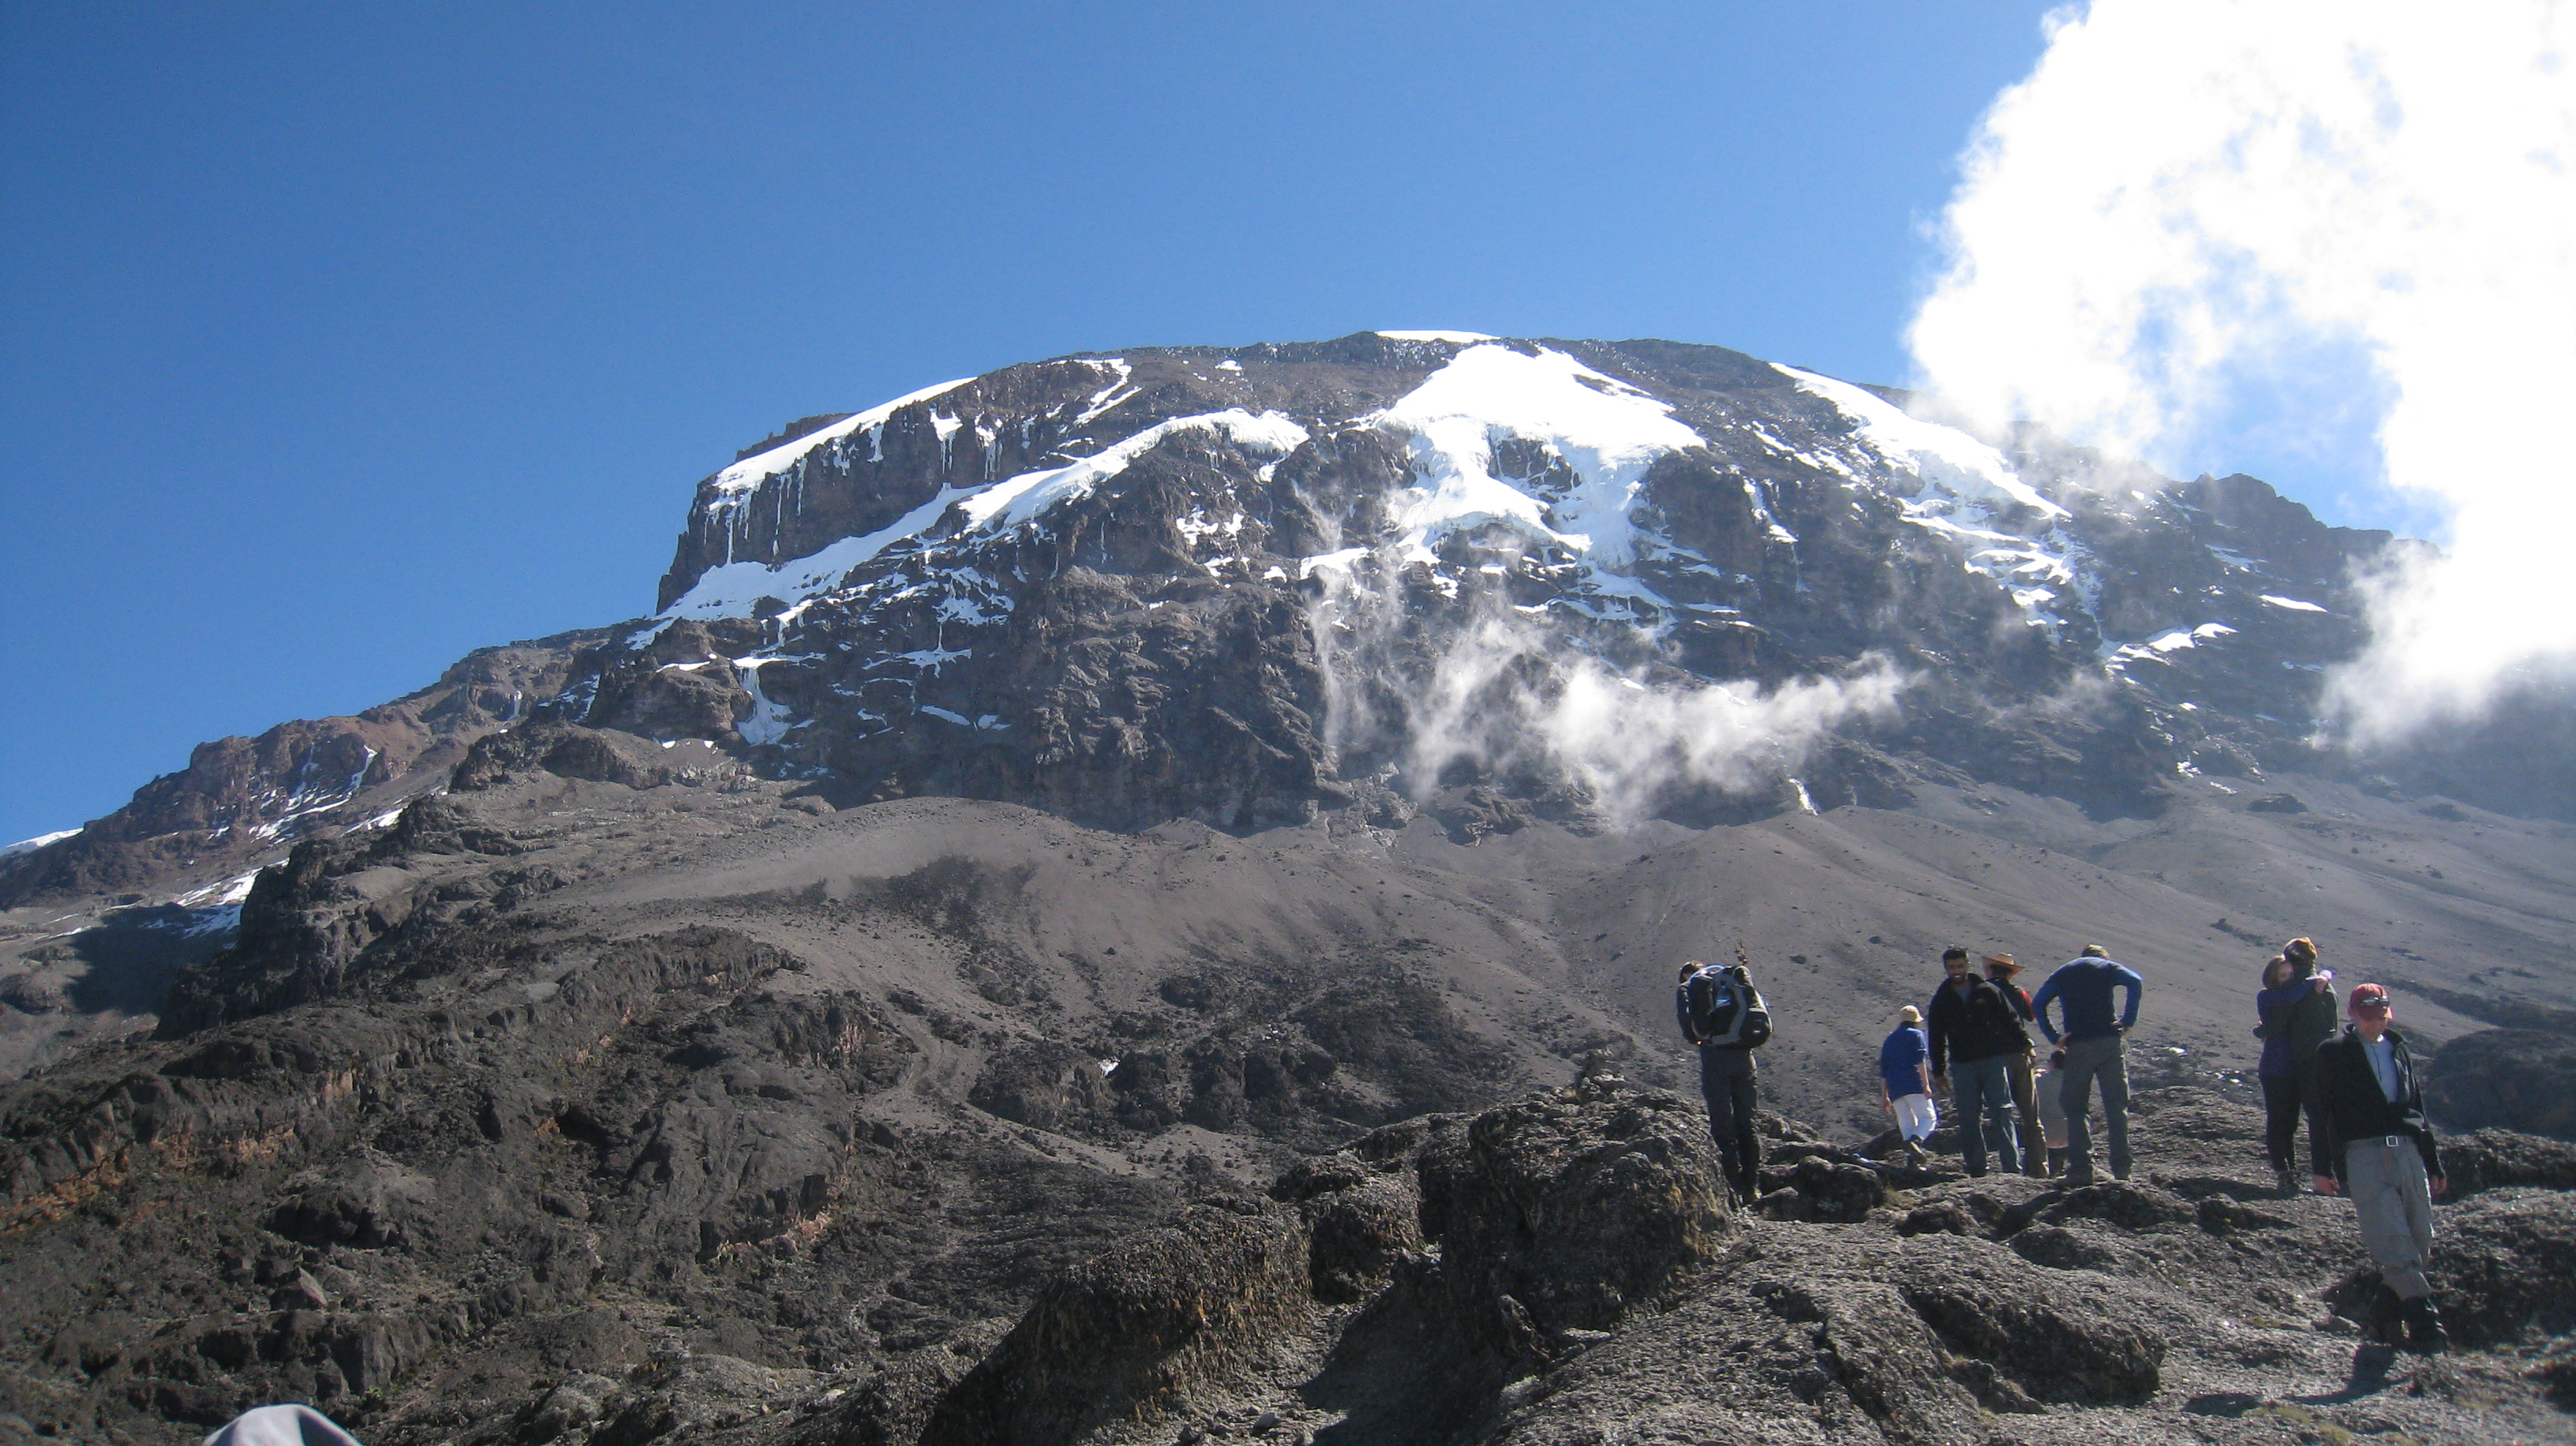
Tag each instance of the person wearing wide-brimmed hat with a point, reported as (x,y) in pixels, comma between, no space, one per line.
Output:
(2022,1071)
(2383,1154)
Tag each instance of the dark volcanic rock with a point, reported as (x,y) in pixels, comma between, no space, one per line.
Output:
(2031,1327)
(2492,1158)
(2501,1267)
(1051,1086)
(2512,1079)
(562,750)
(1139,1333)
(1574,1212)
(239,797)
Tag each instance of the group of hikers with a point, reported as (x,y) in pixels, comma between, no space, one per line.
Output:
(2360,1091)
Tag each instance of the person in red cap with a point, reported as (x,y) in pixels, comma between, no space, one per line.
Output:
(2383,1155)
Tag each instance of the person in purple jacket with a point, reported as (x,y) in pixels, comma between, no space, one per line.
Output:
(2297,1008)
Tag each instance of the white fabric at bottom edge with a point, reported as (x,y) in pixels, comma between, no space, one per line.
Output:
(281,1426)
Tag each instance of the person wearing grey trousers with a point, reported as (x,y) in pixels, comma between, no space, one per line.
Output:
(2383,1155)
(2083,987)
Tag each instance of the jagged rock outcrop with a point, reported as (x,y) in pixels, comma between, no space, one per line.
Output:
(1569,1214)
(307,921)
(241,797)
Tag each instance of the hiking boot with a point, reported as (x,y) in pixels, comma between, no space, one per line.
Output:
(1914,1151)
(2424,1333)
(2285,1180)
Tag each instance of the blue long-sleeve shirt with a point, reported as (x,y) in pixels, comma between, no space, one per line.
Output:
(2084,987)
(1900,1061)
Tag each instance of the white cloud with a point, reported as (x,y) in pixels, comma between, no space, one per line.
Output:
(2190,198)
(1512,697)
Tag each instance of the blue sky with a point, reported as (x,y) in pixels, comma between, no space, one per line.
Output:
(340,340)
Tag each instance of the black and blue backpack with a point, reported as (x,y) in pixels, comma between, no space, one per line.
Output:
(1726,1010)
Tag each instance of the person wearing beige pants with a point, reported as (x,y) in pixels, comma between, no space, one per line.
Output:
(2022,1072)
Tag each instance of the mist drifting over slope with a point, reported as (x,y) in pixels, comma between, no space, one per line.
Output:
(2360,205)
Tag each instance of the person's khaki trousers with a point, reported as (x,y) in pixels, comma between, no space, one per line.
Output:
(2034,1135)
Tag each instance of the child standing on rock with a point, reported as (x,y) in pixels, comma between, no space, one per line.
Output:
(1905,1081)
(2052,1113)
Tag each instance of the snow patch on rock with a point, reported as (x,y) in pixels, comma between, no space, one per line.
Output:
(30,845)
(1606,432)
(745,476)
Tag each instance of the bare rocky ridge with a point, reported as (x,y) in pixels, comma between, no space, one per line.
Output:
(1146,644)
(1025,980)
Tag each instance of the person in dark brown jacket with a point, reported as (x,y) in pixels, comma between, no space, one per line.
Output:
(2023,1072)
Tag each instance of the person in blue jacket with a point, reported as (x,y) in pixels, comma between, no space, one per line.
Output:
(2083,986)
(1905,1081)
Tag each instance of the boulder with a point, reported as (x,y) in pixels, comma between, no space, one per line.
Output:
(1042,1084)
(1358,1235)
(1942,1217)
(2491,1159)
(1135,1333)
(2028,1324)
(2501,1268)
(2512,1079)
(1577,1210)
(2125,1203)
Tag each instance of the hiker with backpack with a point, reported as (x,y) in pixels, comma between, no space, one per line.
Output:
(2297,1009)
(1974,1031)
(1725,1019)
(1905,1081)
(2383,1155)
(2022,1069)
(2093,1052)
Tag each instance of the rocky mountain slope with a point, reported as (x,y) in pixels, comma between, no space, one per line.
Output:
(1397,570)
(1202,781)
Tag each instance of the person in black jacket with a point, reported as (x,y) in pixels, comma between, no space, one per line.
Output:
(2383,1155)
(1974,1027)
